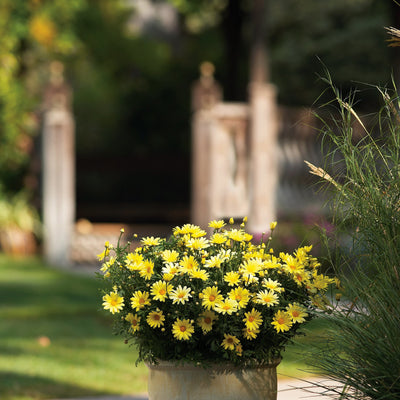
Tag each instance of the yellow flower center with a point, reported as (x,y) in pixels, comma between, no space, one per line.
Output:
(211,298)
(182,328)
(281,321)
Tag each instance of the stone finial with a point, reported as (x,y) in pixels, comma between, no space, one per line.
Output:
(207,70)
(58,93)
(206,91)
(56,73)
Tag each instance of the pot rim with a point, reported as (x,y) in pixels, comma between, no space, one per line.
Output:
(223,366)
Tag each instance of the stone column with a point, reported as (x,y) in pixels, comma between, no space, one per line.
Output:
(263,160)
(205,94)
(264,128)
(58,176)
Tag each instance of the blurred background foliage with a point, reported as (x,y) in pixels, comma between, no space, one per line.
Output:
(131,64)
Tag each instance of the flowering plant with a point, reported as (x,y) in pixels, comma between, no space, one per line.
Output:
(221,299)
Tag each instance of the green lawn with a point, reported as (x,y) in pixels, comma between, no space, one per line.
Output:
(56,342)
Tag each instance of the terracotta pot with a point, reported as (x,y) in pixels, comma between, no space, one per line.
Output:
(186,382)
(15,241)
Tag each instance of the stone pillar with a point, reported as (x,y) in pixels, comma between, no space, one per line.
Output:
(263,160)
(58,176)
(264,128)
(205,94)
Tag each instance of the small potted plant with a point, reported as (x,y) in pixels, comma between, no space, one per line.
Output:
(210,316)
(19,225)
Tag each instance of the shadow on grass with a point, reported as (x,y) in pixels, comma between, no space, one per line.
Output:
(23,386)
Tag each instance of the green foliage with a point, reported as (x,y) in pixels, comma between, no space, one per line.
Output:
(32,33)
(16,212)
(347,35)
(362,349)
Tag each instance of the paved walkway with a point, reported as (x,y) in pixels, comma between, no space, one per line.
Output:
(287,390)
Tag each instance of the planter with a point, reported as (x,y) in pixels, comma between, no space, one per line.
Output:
(14,241)
(186,382)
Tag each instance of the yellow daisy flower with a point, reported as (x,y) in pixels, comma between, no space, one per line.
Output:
(238,235)
(197,233)
(282,321)
(230,342)
(216,224)
(210,297)
(134,321)
(151,241)
(189,229)
(171,269)
(180,294)
(206,319)
(250,334)
(273,285)
(321,282)
(188,264)
(291,264)
(197,243)
(241,296)
(250,267)
(134,261)
(155,319)
(227,306)
(113,302)
(213,262)
(140,300)
(271,263)
(200,274)
(302,253)
(182,329)
(218,238)
(232,278)
(146,269)
(301,278)
(267,298)
(297,312)
(103,254)
(169,256)
(253,319)
(159,290)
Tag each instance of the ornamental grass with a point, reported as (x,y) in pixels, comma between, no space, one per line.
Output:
(195,299)
(361,347)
